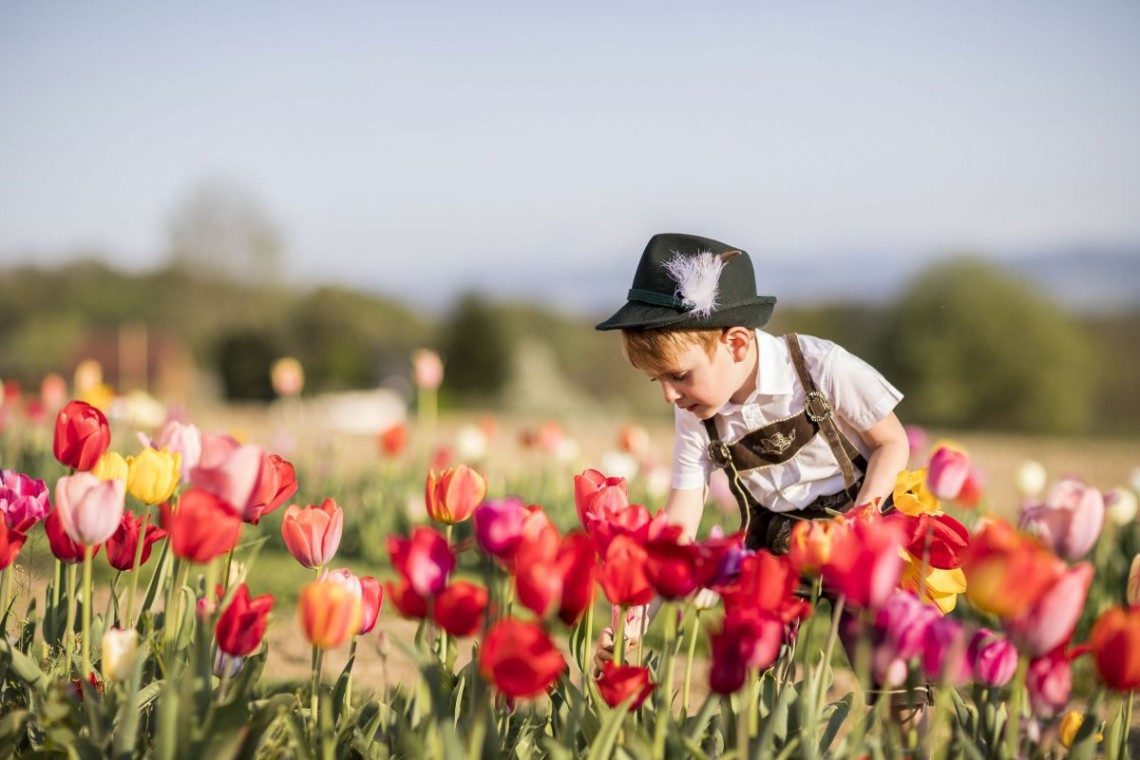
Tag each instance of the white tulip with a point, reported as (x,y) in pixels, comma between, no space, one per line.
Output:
(1031,478)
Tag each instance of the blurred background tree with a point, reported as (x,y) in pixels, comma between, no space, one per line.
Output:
(476,350)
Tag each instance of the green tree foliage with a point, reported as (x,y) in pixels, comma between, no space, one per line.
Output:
(476,350)
(975,348)
(244,361)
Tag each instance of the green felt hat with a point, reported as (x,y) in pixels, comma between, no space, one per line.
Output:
(685,281)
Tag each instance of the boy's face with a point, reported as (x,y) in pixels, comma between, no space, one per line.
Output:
(701,384)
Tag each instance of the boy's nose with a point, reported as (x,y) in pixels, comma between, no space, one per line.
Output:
(671,395)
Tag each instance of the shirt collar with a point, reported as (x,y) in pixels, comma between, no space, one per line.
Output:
(774,373)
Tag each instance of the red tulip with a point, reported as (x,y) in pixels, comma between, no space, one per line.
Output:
(277,482)
(459,608)
(11,541)
(767,583)
(623,576)
(619,682)
(124,541)
(865,565)
(453,496)
(520,659)
(394,440)
(241,627)
(672,568)
(406,601)
(940,539)
(372,594)
(312,534)
(557,577)
(747,641)
(1115,640)
(634,521)
(946,473)
(202,528)
(61,545)
(425,560)
(81,435)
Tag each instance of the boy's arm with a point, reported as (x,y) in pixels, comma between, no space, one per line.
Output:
(889,454)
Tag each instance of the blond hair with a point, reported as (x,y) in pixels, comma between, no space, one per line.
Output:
(655,351)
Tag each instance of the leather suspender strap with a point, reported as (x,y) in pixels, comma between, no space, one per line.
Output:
(721,456)
(818,408)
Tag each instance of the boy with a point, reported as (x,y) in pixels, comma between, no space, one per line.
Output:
(799,425)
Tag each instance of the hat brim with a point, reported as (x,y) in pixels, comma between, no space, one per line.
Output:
(636,315)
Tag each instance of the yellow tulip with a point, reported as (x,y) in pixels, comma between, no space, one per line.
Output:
(911,496)
(153,475)
(932,584)
(1070,724)
(111,466)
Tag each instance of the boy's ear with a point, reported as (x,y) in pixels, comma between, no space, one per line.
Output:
(738,340)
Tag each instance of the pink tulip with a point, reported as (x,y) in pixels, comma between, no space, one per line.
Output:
(916,439)
(1052,618)
(234,479)
(597,496)
(89,508)
(901,625)
(344,578)
(428,369)
(499,526)
(1070,520)
(1050,683)
(373,598)
(23,500)
(425,560)
(312,534)
(994,659)
(946,473)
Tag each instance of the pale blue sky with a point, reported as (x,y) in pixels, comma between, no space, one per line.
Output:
(412,146)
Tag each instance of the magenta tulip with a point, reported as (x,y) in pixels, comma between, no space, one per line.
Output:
(89,509)
(23,500)
(499,526)
(994,659)
(944,652)
(425,560)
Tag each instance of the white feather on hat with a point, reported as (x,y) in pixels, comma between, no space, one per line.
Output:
(698,280)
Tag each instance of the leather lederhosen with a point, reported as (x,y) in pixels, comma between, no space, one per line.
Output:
(776,443)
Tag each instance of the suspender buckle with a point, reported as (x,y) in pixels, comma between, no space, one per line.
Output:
(817,406)
(719,453)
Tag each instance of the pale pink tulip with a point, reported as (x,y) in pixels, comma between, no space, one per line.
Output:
(428,369)
(233,477)
(89,508)
(1070,519)
(1052,618)
(946,473)
(179,438)
(1049,682)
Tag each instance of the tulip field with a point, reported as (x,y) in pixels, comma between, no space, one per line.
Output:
(445,596)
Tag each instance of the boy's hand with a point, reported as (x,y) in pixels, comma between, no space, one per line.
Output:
(635,620)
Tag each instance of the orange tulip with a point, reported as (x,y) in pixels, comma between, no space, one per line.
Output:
(1007,571)
(329,613)
(811,543)
(453,496)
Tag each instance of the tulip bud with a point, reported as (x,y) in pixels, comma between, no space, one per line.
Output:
(153,475)
(238,572)
(120,650)
(428,369)
(227,665)
(313,534)
(1120,506)
(994,659)
(1031,477)
(111,466)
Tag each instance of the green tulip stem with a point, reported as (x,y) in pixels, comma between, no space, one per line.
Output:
(619,637)
(1017,700)
(426,406)
(315,690)
(665,681)
(1127,725)
(69,632)
(442,630)
(173,621)
(229,570)
(694,634)
(5,587)
(57,579)
(589,639)
(348,682)
(829,646)
(129,619)
(86,653)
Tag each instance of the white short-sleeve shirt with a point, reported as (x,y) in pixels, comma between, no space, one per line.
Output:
(859,396)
